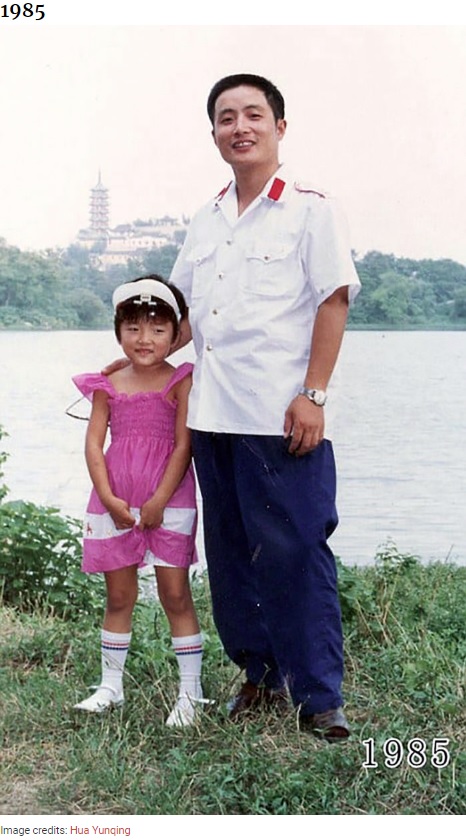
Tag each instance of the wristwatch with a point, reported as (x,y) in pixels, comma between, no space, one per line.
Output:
(315,396)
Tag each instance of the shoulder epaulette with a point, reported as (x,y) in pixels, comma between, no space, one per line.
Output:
(304,187)
(222,192)
(276,189)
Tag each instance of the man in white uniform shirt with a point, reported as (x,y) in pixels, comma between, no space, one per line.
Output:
(267,272)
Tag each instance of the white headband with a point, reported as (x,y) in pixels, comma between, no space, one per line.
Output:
(146,290)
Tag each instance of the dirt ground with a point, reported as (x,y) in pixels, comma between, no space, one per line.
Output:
(21,798)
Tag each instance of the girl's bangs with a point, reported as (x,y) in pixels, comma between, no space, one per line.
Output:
(133,310)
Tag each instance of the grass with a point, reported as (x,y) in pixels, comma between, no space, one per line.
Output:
(405,632)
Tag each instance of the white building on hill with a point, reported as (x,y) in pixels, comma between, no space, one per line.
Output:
(115,246)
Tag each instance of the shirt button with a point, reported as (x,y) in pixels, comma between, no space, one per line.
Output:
(229,242)
(209,347)
(220,275)
(214,311)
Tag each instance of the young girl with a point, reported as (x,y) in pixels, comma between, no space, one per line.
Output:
(142,509)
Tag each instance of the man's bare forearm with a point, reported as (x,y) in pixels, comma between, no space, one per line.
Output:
(305,421)
(327,336)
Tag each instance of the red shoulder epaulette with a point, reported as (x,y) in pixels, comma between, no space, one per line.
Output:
(276,189)
(222,192)
(306,188)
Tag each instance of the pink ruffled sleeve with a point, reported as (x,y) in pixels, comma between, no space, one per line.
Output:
(88,383)
(180,373)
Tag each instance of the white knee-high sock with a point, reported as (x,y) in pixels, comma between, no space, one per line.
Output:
(114,650)
(188,651)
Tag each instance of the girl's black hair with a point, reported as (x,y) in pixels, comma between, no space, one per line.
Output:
(134,312)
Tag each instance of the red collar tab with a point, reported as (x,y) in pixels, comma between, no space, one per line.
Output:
(223,192)
(276,189)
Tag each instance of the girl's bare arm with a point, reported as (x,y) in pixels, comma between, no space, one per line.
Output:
(152,510)
(94,450)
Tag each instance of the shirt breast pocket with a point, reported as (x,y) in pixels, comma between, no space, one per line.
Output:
(272,269)
(202,261)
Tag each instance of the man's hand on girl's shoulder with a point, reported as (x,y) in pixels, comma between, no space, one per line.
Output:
(118,364)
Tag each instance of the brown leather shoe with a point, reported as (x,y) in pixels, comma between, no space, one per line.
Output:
(252,698)
(331,725)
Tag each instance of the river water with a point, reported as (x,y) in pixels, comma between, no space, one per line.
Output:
(399,434)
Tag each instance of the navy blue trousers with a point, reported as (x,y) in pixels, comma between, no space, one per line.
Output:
(267,518)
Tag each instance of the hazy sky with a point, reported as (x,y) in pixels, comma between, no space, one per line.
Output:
(376,115)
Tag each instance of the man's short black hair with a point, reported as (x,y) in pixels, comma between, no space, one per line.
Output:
(271,93)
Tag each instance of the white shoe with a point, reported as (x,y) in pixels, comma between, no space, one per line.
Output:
(185,710)
(102,699)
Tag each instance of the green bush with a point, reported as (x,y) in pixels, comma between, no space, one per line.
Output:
(40,557)
(3,457)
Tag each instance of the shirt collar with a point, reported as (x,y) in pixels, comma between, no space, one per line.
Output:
(274,190)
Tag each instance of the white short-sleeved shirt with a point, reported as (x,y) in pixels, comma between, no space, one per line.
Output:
(253,285)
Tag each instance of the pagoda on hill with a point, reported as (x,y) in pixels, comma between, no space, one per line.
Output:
(115,246)
(99,211)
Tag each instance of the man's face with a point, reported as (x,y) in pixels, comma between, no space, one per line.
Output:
(245,130)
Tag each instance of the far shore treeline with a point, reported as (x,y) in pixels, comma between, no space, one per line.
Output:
(63,289)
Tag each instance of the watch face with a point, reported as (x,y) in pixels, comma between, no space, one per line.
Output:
(320,397)
(317,397)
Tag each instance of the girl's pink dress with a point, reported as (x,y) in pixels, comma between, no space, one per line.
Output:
(142,428)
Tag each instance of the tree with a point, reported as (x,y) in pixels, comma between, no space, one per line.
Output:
(459,305)
(89,308)
(156,261)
